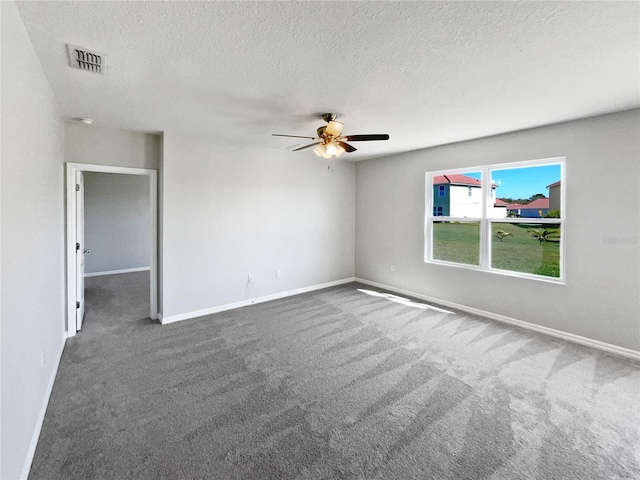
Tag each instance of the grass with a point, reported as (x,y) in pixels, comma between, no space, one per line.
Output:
(457,242)
(520,251)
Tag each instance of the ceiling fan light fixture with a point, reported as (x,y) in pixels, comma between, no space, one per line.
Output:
(334,128)
(339,150)
(331,149)
(321,151)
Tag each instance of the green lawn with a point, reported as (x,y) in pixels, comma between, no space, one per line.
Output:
(520,251)
(457,242)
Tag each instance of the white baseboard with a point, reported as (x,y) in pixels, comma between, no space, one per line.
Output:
(115,272)
(43,409)
(570,337)
(253,301)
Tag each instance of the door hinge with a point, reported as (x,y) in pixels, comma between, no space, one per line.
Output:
(77,304)
(77,247)
(77,187)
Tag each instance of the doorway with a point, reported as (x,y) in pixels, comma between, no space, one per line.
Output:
(75,239)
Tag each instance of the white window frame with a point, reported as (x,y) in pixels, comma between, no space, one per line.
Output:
(486,222)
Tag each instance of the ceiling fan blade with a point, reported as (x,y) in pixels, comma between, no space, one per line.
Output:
(306,146)
(347,147)
(293,136)
(366,138)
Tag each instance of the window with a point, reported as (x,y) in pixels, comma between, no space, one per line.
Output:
(442,191)
(505,218)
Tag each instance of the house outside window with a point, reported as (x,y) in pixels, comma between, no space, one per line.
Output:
(497,218)
(554,195)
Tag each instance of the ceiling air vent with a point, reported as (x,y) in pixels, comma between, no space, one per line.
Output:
(83,59)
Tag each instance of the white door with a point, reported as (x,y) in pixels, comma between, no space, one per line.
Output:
(80,250)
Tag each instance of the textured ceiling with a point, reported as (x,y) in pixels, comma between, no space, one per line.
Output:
(427,73)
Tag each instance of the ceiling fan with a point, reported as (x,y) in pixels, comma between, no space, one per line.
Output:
(331,142)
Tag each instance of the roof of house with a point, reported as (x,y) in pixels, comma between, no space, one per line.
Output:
(539,204)
(555,184)
(500,203)
(457,179)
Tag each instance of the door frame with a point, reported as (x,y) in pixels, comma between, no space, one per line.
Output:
(72,168)
(80,254)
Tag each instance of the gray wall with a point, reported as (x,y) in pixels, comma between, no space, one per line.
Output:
(600,298)
(32,242)
(117,220)
(110,146)
(234,210)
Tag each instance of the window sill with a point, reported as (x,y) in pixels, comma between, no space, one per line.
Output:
(496,271)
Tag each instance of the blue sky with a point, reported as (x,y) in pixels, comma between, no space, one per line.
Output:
(524,181)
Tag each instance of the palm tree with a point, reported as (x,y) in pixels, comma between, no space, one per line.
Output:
(500,234)
(541,234)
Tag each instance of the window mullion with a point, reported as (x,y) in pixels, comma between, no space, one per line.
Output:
(484,223)
(428,228)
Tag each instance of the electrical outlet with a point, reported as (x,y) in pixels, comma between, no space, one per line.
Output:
(250,278)
(392,268)
(278,273)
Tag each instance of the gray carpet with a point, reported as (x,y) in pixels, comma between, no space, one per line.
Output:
(337,383)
